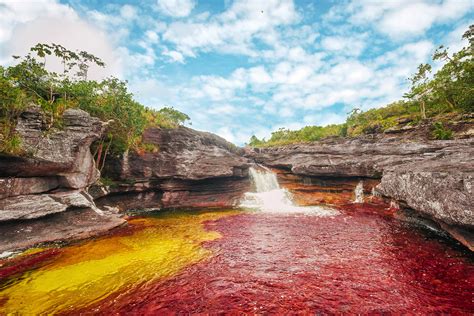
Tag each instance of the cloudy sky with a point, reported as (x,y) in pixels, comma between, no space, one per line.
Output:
(247,67)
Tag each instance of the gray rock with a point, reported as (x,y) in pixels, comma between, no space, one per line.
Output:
(34,206)
(181,153)
(58,153)
(435,178)
(188,169)
(29,206)
(74,224)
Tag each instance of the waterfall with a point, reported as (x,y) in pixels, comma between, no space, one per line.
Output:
(270,197)
(264,180)
(359,192)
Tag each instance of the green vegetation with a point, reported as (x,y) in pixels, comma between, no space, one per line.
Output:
(30,82)
(441,132)
(448,91)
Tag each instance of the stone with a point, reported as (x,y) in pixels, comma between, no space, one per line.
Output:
(64,226)
(432,177)
(31,206)
(63,153)
(190,169)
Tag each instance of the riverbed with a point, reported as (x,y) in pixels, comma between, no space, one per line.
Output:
(359,259)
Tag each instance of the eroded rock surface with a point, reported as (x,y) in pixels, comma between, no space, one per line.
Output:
(49,179)
(435,178)
(186,169)
(73,224)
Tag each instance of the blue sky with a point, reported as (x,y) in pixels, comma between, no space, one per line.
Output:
(239,68)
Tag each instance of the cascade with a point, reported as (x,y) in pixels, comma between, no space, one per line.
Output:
(270,197)
(359,192)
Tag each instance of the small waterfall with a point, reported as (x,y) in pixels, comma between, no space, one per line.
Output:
(264,179)
(270,197)
(359,192)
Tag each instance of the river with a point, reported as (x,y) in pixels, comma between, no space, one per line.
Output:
(273,257)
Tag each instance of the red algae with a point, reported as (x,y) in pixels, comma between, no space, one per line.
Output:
(23,263)
(362,261)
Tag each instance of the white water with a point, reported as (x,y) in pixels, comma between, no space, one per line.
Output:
(271,198)
(359,192)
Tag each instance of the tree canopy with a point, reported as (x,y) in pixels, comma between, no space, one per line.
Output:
(30,81)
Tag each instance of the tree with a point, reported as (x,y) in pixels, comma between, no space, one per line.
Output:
(173,115)
(419,87)
(254,141)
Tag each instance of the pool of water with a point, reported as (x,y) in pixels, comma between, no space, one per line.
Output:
(360,260)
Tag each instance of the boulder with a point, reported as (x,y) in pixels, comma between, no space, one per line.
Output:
(43,192)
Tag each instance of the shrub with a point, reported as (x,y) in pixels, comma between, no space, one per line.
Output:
(440,132)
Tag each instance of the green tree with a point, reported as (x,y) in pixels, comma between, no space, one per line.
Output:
(420,89)
(174,116)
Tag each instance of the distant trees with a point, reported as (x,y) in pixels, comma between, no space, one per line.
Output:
(450,90)
(452,86)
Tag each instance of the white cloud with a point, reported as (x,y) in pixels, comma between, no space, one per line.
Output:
(174,56)
(343,45)
(152,37)
(128,12)
(258,75)
(176,8)
(400,19)
(324,119)
(234,30)
(26,24)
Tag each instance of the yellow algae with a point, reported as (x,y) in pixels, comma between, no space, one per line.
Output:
(89,272)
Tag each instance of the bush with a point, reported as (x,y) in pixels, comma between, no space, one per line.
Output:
(440,132)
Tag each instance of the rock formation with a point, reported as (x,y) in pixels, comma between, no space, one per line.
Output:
(49,179)
(186,169)
(434,178)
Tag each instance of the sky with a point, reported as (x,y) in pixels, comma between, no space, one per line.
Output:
(247,67)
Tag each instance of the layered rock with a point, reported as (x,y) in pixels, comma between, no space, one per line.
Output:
(435,177)
(311,190)
(185,169)
(50,177)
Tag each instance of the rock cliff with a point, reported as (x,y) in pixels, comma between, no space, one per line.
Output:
(49,179)
(434,178)
(48,193)
(184,169)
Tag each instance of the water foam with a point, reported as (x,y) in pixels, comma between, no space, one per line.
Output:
(269,197)
(359,192)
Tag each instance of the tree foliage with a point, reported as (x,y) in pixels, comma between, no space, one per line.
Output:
(29,81)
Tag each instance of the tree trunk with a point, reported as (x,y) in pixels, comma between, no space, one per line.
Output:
(423,109)
(99,154)
(105,154)
(451,105)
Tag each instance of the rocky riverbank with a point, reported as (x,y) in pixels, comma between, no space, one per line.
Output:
(43,192)
(187,169)
(434,178)
(52,191)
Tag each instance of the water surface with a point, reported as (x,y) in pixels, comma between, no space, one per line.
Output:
(361,260)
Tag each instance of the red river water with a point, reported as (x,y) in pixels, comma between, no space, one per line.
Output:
(360,261)
(283,259)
